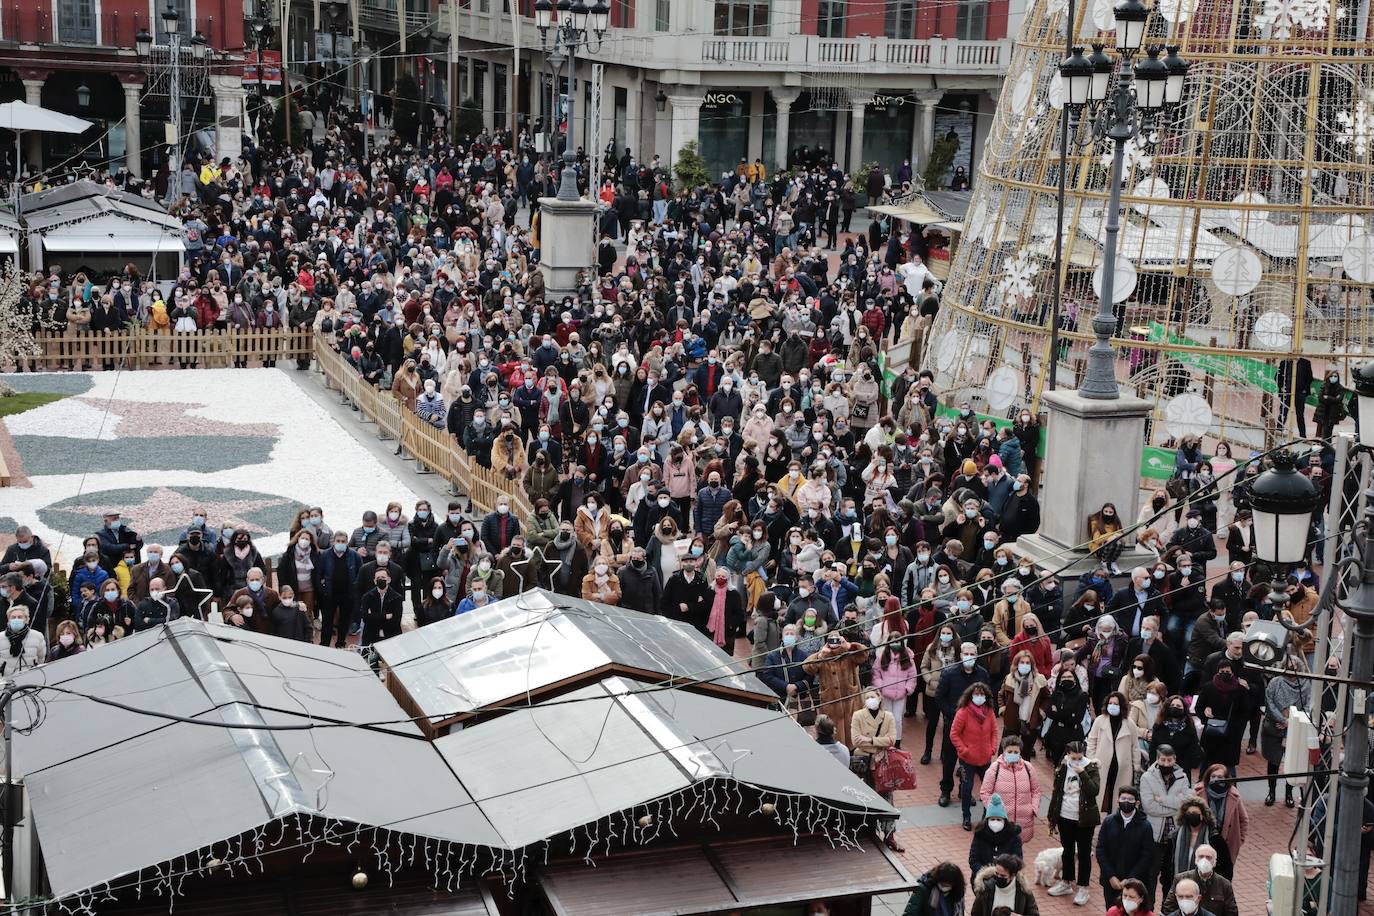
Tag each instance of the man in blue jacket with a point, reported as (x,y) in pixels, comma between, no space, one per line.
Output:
(782,669)
(338,568)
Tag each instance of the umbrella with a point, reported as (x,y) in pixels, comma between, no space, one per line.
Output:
(21,116)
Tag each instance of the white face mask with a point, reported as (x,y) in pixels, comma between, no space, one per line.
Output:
(437,592)
(997,825)
(872,703)
(1188,907)
(979,699)
(1205,866)
(1129,906)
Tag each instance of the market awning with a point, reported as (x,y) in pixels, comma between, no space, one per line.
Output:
(103,244)
(915,210)
(7,243)
(725,876)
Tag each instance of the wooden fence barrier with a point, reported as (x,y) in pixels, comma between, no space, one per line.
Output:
(142,348)
(433,450)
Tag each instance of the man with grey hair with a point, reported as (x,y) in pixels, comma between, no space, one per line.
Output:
(27,546)
(1202,889)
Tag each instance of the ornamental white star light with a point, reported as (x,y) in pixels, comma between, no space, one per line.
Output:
(1281,18)
(1355,125)
(1018,283)
(1135,158)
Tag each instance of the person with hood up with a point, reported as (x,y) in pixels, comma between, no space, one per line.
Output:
(1003,884)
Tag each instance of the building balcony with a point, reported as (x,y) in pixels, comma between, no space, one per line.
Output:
(704,52)
(382,16)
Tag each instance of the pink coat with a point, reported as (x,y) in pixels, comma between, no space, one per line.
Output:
(892,681)
(1020,791)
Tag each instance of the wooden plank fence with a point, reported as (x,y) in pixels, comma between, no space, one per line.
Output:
(433,450)
(142,348)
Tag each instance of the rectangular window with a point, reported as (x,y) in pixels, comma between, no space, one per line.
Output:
(741,17)
(76,21)
(900,19)
(185,25)
(830,19)
(662,15)
(973,21)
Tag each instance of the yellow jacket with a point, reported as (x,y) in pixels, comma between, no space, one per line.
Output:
(208,173)
(756,172)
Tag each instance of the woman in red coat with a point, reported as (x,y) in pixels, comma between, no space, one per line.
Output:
(974,736)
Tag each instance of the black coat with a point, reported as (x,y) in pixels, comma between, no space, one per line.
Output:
(640,589)
(1125,850)
(695,595)
(381,611)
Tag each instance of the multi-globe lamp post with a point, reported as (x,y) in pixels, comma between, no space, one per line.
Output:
(1116,109)
(571,24)
(1282,501)
(200,49)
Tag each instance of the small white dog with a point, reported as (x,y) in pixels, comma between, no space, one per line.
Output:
(1048,864)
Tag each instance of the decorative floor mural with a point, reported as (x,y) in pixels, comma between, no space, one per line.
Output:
(247,445)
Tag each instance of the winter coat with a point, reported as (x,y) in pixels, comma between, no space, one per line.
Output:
(1010,704)
(1161,798)
(838,672)
(33,651)
(640,589)
(1126,748)
(1013,462)
(1088,781)
(987,845)
(880,729)
(985,890)
(975,736)
(893,681)
(1235,823)
(1066,713)
(1020,790)
(1125,850)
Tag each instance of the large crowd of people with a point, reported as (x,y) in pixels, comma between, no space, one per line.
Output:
(708,429)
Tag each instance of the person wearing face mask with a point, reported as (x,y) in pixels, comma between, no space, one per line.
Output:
(1208,637)
(1232,821)
(836,669)
(234,561)
(1162,658)
(69,641)
(1186,896)
(1197,830)
(289,619)
(157,608)
(27,546)
(435,606)
(101,630)
(1134,900)
(601,584)
(1003,885)
(1068,713)
(115,539)
(1073,817)
(1215,890)
(1024,699)
(1013,780)
(1331,404)
(993,836)
(27,647)
(973,736)
(262,600)
(783,671)
(1194,538)
(1104,655)
(381,609)
(1032,639)
(1280,696)
(872,729)
(337,569)
(1125,845)
(1114,742)
(938,892)
(1224,707)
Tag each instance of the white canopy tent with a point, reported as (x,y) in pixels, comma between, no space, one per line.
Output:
(103,226)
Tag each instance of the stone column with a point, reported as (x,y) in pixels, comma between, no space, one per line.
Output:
(489,97)
(686,114)
(229,95)
(783,99)
(1081,481)
(923,138)
(858,107)
(133,129)
(33,140)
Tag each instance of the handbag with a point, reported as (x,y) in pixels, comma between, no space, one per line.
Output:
(861,766)
(1214,728)
(893,771)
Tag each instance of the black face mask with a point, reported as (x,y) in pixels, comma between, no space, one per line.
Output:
(380,583)
(1003,880)
(1193,818)
(1126,807)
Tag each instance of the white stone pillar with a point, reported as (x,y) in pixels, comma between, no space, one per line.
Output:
(783,99)
(923,138)
(133,130)
(754,108)
(229,93)
(858,107)
(33,140)
(489,97)
(837,146)
(686,112)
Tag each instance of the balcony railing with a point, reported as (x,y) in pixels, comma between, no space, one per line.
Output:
(107,31)
(380,14)
(878,56)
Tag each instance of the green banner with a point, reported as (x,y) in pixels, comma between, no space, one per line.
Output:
(1156,463)
(1256,373)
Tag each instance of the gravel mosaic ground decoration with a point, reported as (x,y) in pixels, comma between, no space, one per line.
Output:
(246,444)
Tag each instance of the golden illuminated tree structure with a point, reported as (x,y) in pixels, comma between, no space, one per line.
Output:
(1247,237)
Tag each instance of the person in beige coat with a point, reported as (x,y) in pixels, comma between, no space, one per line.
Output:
(871,728)
(1114,742)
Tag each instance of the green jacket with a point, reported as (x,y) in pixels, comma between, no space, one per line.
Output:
(541,530)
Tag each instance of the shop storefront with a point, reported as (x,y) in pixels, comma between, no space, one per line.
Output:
(811,127)
(888,125)
(723,130)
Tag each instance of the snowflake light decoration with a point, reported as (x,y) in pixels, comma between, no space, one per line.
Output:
(1283,17)
(1018,283)
(1355,125)
(1035,123)
(1136,158)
